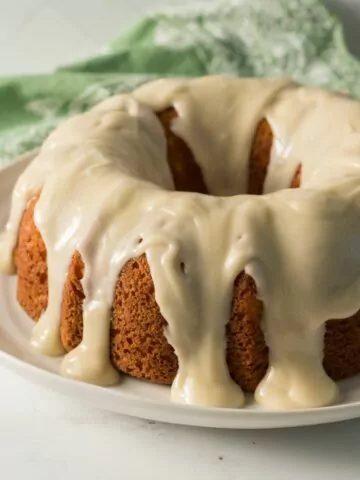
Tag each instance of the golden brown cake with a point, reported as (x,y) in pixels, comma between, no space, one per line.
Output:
(138,345)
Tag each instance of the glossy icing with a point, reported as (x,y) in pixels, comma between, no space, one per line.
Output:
(107,192)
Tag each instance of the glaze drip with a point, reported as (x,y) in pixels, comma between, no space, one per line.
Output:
(299,246)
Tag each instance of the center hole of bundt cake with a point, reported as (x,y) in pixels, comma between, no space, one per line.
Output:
(186,173)
(259,160)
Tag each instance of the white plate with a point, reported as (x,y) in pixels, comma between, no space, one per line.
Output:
(134,397)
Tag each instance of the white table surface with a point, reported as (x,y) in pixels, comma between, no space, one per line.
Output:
(45,436)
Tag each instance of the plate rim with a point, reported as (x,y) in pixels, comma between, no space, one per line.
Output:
(133,405)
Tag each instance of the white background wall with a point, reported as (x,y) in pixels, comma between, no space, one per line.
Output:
(38,35)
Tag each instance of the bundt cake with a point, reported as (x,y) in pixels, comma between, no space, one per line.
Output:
(162,234)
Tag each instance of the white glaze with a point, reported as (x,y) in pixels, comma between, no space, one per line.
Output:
(105,184)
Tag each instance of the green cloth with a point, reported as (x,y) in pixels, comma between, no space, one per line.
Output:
(297,38)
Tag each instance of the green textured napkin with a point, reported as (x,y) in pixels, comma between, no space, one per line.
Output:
(297,38)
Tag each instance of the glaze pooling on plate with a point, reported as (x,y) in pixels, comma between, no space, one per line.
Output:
(300,246)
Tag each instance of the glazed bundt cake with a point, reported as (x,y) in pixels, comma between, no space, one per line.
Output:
(163,234)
